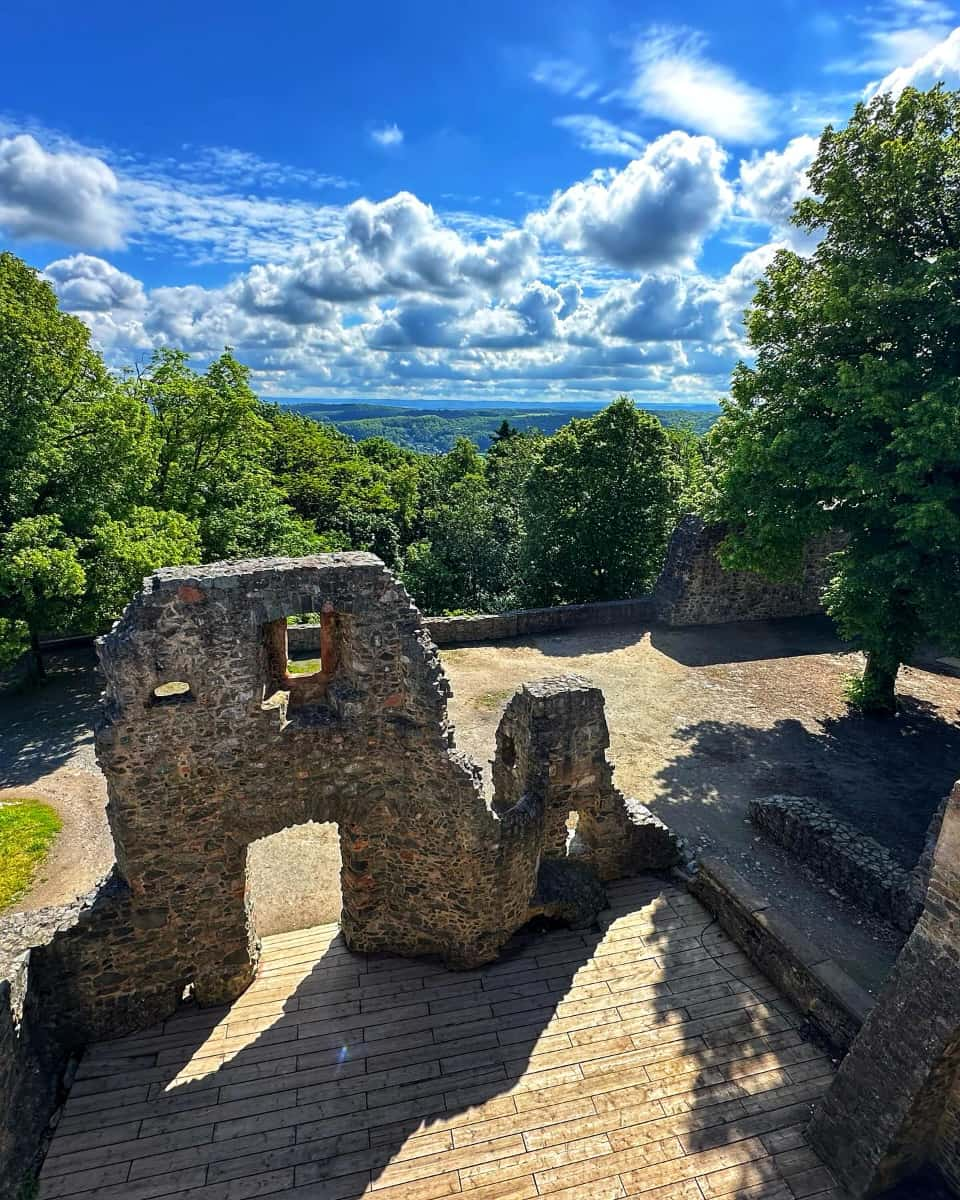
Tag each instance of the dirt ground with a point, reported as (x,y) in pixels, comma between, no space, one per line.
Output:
(703,720)
(46,751)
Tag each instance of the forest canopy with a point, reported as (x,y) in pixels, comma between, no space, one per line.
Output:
(104,478)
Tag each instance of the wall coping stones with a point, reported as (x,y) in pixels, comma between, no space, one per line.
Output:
(855,863)
(819,986)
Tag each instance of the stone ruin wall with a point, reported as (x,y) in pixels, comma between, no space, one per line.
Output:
(694,589)
(894,1104)
(194,776)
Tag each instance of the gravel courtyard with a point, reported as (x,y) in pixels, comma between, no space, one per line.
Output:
(703,720)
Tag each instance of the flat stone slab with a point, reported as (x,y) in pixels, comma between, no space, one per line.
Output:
(646,1059)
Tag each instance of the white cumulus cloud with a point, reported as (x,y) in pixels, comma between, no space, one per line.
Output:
(771,183)
(85,283)
(602,136)
(58,196)
(654,212)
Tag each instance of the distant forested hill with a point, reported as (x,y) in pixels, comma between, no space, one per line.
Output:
(434,432)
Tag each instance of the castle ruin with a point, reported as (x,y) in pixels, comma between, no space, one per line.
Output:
(208,744)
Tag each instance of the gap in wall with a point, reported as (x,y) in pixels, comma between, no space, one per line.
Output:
(293,878)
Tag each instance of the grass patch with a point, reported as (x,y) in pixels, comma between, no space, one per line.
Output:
(488,701)
(303,666)
(27,830)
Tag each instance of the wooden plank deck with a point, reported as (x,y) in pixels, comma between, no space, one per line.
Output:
(649,1060)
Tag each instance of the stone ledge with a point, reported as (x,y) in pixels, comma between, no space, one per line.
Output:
(820,988)
(853,862)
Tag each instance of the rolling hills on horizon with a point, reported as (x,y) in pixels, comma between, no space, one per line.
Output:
(434,430)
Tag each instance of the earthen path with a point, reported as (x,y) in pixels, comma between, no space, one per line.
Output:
(648,1059)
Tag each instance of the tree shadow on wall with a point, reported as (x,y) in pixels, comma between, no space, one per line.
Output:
(884,777)
(585,1058)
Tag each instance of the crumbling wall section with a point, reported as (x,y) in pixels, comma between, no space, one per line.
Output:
(893,1105)
(551,744)
(694,589)
(69,975)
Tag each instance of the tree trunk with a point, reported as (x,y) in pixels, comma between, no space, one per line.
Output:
(38,669)
(879,694)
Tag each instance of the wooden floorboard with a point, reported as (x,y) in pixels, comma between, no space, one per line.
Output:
(649,1059)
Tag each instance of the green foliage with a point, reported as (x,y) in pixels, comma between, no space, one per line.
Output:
(124,552)
(214,438)
(599,507)
(75,452)
(469,555)
(27,830)
(850,417)
(304,666)
(102,480)
(363,497)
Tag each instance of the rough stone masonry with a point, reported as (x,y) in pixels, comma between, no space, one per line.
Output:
(895,1102)
(208,744)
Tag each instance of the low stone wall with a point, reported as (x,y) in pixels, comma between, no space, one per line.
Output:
(816,983)
(19,673)
(856,864)
(495,627)
(65,976)
(694,589)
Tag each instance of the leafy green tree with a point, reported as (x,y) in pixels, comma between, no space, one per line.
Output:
(124,552)
(599,507)
(503,433)
(77,453)
(362,495)
(213,438)
(454,565)
(690,452)
(849,418)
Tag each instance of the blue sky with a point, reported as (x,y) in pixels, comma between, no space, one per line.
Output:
(476,201)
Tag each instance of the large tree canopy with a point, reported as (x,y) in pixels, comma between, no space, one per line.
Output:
(849,417)
(78,458)
(600,504)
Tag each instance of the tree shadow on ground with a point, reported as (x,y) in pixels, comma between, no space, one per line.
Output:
(746,641)
(693,645)
(885,777)
(44,725)
(643,1055)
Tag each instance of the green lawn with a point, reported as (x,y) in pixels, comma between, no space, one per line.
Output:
(303,666)
(27,830)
